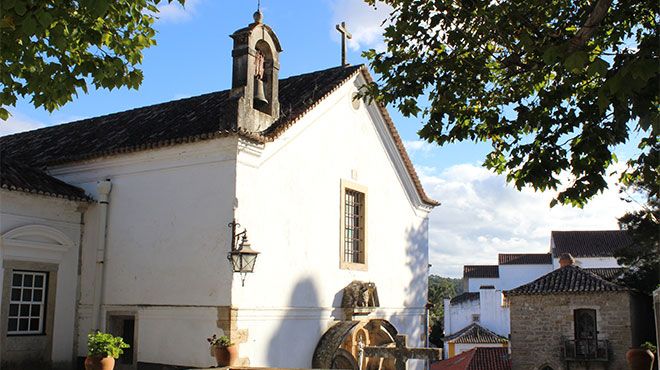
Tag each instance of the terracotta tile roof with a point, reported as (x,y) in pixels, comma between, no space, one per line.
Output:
(589,243)
(481,271)
(464,297)
(18,177)
(568,279)
(524,258)
(607,273)
(187,120)
(475,333)
(479,358)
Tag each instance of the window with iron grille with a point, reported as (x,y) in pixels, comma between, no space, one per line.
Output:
(354,226)
(27,302)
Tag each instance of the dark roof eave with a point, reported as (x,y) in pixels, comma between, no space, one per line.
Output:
(85,199)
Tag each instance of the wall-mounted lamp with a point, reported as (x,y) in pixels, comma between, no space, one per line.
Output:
(241,256)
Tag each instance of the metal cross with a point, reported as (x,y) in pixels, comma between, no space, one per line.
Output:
(401,353)
(344,35)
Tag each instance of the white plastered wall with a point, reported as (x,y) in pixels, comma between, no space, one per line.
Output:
(513,276)
(54,226)
(167,241)
(475,283)
(289,200)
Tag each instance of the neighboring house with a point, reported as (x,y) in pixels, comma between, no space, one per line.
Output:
(485,307)
(40,224)
(595,252)
(472,336)
(320,181)
(476,276)
(573,319)
(591,249)
(477,359)
(518,269)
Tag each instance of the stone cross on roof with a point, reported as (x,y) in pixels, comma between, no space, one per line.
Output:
(401,353)
(344,35)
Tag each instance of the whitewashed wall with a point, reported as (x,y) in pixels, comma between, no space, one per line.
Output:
(167,241)
(459,315)
(494,314)
(47,214)
(475,283)
(289,200)
(591,262)
(512,276)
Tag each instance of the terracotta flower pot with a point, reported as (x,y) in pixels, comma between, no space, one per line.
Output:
(639,359)
(225,356)
(99,363)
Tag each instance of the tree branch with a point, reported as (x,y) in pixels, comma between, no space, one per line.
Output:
(584,34)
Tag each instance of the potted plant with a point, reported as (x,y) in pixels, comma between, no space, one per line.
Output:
(224,351)
(102,350)
(641,358)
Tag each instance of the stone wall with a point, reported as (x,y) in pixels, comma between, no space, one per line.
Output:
(540,323)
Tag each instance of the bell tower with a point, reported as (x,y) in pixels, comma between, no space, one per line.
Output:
(255,76)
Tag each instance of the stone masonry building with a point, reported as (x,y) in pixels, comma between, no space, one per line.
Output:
(573,319)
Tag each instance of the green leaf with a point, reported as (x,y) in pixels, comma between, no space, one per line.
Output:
(598,67)
(576,60)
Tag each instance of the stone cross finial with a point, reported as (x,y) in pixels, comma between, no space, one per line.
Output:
(344,35)
(401,353)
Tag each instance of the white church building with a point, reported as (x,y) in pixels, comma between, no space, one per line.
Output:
(120,223)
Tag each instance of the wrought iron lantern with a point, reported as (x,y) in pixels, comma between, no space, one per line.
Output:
(242,257)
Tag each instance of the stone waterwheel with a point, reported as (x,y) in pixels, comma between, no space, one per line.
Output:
(338,347)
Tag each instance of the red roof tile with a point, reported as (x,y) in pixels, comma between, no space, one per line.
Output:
(601,243)
(481,271)
(524,259)
(479,358)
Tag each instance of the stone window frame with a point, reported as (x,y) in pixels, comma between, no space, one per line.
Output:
(346,185)
(49,310)
(41,303)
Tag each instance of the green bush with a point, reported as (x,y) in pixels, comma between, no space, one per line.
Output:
(105,345)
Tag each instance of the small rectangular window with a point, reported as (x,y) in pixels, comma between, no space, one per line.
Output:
(475,318)
(27,303)
(353,226)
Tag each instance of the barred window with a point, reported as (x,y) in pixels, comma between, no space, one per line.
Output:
(27,302)
(353,226)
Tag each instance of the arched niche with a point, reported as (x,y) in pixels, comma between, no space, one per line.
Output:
(35,243)
(338,348)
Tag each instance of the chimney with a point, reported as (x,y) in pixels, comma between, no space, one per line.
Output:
(566,260)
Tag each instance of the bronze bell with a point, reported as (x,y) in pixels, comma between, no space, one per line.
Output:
(259,93)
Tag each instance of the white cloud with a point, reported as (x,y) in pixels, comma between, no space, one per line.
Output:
(175,12)
(363,22)
(481,216)
(18,122)
(416,146)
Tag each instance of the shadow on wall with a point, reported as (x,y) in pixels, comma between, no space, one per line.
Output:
(417,261)
(293,342)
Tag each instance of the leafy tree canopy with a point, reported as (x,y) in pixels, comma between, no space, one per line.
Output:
(52,48)
(440,288)
(553,85)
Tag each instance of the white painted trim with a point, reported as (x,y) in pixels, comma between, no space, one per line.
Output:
(14,244)
(395,157)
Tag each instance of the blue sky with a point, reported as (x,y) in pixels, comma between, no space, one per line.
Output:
(480,215)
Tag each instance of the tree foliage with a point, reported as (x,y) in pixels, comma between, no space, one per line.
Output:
(642,257)
(52,49)
(440,288)
(553,85)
